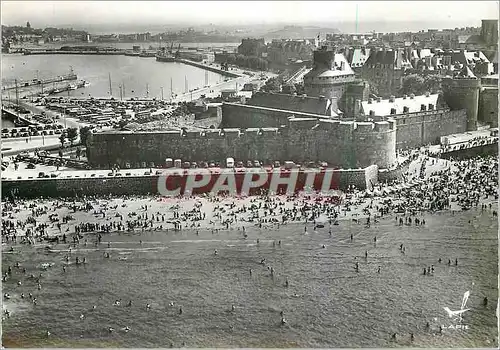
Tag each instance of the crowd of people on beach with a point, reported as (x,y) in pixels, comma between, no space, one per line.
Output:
(453,185)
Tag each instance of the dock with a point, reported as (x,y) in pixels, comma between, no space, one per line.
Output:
(209,68)
(17,118)
(21,84)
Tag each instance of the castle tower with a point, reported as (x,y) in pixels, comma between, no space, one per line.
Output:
(354,92)
(463,93)
(330,75)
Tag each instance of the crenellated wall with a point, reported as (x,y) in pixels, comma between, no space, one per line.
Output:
(341,144)
(427,127)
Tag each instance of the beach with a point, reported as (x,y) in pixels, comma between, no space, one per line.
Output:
(348,275)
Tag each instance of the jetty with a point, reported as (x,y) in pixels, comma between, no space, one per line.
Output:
(209,68)
(34,82)
(17,118)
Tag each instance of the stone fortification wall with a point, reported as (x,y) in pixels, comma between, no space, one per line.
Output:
(488,106)
(341,144)
(138,185)
(69,187)
(421,128)
(466,153)
(235,115)
(396,173)
(463,93)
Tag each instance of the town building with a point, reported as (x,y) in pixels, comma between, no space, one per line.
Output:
(252,47)
(384,70)
(290,51)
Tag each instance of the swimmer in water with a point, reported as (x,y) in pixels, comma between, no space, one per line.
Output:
(233,308)
(215,252)
(148,306)
(180,310)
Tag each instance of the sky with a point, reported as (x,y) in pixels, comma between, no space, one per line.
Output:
(89,13)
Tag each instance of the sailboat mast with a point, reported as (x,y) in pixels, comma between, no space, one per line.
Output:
(171,90)
(110,86)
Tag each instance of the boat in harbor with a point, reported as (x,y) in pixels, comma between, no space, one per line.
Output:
(165,55)
(132,53)
(72,87)
(165,58)
(147,54)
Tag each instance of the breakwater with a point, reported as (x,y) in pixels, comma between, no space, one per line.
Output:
(33,82)
(209,68)
(74,52)
(84,184)
(17,118)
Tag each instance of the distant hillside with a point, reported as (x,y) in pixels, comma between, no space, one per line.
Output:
(299,32)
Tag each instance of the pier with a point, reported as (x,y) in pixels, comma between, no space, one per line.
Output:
(21,84)
(15,117)
(209,68)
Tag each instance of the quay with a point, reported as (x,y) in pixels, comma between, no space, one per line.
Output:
(17,118)
(34,82)
(73,52)
(209,68)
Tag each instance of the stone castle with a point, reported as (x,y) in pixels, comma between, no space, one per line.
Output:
(338,124)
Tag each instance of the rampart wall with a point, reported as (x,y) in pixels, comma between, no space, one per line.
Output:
(347,145)
(426,127)
(138,185)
